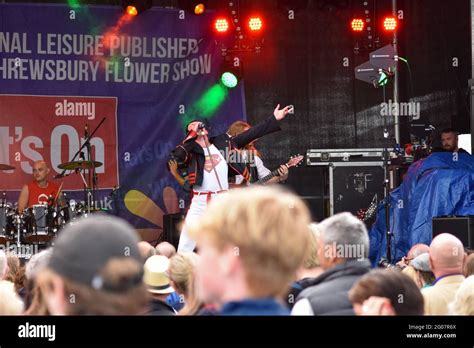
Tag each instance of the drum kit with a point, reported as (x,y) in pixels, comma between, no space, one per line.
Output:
(40,223)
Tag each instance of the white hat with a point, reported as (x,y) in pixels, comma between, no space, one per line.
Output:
(156,275)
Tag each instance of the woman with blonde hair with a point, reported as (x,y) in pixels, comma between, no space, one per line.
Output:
(181,273)
(463,303)
(10,302)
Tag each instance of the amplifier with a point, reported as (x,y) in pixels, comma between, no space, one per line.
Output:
(171,228)
(459,226)
(324,157)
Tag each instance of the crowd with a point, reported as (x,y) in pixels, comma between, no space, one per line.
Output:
(258,253)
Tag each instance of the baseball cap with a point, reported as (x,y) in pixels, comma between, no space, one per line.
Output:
(421,262)
(82,250)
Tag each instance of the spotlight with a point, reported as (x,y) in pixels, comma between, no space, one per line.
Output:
(195,7)
(357,25)
(231,71)
(136,7)
(390,24)
(221,25)
(255,24)
(131,10)
(199,9)
(229,80)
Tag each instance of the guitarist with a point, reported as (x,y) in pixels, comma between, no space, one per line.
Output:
(208,171)
(254,162)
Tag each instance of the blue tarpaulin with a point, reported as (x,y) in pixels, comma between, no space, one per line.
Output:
(439,185)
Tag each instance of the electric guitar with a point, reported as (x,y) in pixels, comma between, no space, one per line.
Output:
(293,162)
(366,214)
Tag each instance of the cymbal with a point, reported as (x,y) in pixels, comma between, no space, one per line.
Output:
(6,167)
(79,165)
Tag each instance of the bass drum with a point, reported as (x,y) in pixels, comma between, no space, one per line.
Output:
(40,224)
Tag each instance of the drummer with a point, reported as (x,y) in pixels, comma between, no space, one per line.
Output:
(40,190)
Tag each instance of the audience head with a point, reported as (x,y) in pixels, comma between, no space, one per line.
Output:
(3,265)
(95,268)
(401,294)
(469,266)
(37,263)
(446,255)
(13,263)
(10,302)
(312,260)
(181,271)
(421,265)
(463,303)
(16,272)
(156,276)
(165,249)
(146,250)
(343,237)
(417,250)
(250,248)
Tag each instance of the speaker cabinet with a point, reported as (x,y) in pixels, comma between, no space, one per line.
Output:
(172,228)
(460,226)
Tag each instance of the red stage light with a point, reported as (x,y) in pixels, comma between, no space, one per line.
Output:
(357,25)
(390,23)
(255,24)
(132,10)
(199,9)
(221,25)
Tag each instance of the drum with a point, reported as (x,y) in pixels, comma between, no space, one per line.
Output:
(71,213)
(40,224)
(7,226)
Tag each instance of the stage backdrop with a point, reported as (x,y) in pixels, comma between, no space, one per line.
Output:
(64,70)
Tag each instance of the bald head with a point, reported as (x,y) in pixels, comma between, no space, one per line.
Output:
(417,250)
(146,250)
(40,171)
(40,163)
(446,255)
(165,249)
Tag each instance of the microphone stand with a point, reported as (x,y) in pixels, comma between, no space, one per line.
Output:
(93,182)
(92,174)
(386,184)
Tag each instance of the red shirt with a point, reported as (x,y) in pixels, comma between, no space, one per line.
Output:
(39,195)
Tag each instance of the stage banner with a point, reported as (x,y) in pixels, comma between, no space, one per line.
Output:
(131,83)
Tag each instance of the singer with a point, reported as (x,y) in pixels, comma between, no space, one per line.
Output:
(208,171)
(39,190)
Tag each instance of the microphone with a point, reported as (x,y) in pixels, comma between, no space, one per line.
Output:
(86,131)
(201,126)
(191,135)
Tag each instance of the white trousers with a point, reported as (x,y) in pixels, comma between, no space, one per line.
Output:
(196,210)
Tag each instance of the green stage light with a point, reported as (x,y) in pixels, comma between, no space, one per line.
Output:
(229,80)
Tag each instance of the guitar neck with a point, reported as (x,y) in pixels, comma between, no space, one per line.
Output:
(267,178)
